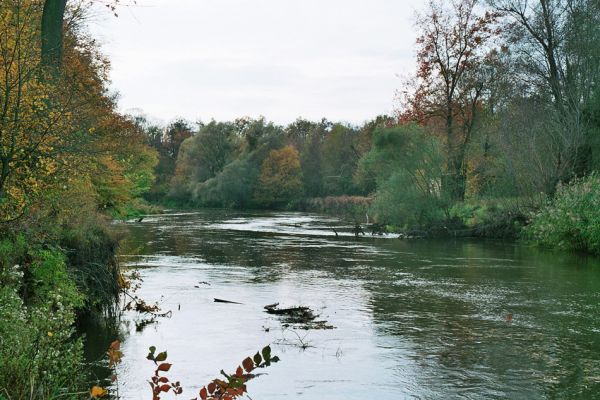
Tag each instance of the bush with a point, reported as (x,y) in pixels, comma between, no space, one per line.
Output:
(399,202)
(40,357)
(498,218)
(571,220)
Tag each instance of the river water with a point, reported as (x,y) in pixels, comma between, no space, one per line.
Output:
(413,319)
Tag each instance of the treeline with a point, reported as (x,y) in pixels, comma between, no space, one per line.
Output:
(68,162)
(253,163)
(502,111)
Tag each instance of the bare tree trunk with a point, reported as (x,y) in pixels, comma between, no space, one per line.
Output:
(52,33)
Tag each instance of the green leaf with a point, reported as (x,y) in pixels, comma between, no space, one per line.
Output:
(275,359)
(266,352)
(257,359)
(150,355)
(161,356)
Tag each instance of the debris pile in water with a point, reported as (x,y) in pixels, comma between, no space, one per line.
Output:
(301,317)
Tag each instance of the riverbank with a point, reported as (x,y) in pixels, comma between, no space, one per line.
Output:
(568,221)
(51,277)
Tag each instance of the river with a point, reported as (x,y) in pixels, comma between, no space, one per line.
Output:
(419,319)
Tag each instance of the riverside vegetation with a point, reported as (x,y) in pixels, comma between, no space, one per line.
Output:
(496,129)
(496,135)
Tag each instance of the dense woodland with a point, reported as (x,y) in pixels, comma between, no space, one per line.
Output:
(496,134)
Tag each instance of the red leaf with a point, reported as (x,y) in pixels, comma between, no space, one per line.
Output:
(164,367)
(203,394)
(211,387)
(239,372)
(165,388)
(248,364)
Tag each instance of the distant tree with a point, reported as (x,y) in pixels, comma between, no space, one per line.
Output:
(203,156)
(364,144)
(339,160)
(280,178)
(175,134)
(311,161)
(235,185)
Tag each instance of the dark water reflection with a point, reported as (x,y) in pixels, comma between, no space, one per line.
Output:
(415,319)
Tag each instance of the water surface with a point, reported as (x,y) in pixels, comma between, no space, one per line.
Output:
(414,319)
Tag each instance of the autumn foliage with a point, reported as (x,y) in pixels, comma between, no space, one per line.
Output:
(61,132)
(280,177)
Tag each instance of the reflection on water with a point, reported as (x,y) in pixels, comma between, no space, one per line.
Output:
(415,319)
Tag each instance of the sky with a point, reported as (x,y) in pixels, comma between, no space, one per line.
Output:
(281,59)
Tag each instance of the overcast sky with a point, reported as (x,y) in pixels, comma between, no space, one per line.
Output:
(283,59)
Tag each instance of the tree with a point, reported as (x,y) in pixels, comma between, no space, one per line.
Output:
(235,184)
(339,158)
(203,156)
(557,51)
(280,178)
(311,161)
(453,45)
(33,114)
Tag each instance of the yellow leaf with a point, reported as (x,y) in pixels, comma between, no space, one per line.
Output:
(97,391)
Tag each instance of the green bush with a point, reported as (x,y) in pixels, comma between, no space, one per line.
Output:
(571,220)
(497,218)
(400,202)
(40,357)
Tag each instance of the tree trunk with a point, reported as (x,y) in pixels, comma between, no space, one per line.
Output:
(52,33)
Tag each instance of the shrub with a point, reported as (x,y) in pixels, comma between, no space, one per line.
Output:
(571,220)
(40,357)
(401,203)
(498,218)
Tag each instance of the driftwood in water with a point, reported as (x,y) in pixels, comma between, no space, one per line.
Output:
(226,301)
(301,316)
